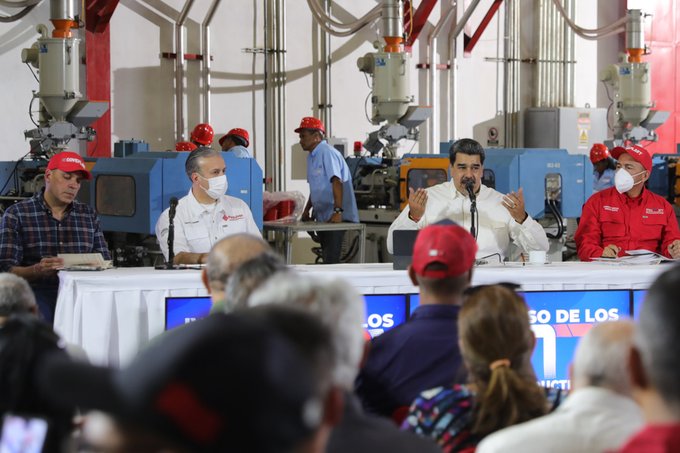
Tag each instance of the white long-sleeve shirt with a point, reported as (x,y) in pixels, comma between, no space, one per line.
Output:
(198,227)
(496,226)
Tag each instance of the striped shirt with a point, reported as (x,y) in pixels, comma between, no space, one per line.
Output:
(29,232)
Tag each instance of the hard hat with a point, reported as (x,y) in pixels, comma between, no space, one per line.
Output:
(238,132)
(309,122)
(185,146)
(203,133)
(599,152)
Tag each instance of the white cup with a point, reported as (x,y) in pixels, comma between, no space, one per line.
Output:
(537,257)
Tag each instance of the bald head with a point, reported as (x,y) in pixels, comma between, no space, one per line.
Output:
(601,358)
(227,255)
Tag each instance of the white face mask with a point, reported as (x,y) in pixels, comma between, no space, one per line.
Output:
(624,181)
(217,186)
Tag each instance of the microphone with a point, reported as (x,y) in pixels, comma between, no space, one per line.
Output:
(173,206)
(171,232)
(470,187)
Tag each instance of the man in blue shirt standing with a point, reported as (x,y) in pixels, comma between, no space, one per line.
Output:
(330,187)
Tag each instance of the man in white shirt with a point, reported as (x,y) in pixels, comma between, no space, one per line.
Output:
(598,416)
(205,215)
(500,218)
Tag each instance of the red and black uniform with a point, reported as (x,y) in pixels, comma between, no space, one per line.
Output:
(645,222)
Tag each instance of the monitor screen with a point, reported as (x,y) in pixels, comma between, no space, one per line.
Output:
(383,312)
(638,298)
(183,310)
(560,318)
(413,302)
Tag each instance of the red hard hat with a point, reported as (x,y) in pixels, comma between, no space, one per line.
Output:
(185,146)
(599,152)
(237,131)
(309,122)
(203,133)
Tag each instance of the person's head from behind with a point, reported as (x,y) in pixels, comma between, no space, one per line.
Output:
(443,257)
(206,170)
(496,343)
(654,360)
(16,297)
(226,256)
(223,383)
(335,303)
(249,276)
(467,164)
(601,358)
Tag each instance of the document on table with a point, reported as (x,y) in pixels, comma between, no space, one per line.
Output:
(635,257)
(84,262)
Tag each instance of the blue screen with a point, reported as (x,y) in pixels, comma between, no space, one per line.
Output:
(638,298)
(183,310)
(560,318)
(413,302)
(383,312)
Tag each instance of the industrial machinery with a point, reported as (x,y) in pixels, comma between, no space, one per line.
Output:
(630,79)
(64,113)
(389,68)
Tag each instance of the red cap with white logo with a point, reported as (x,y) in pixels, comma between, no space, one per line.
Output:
(68,162)
(636,152)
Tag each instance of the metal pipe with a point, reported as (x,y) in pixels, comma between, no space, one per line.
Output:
(205,28)
(452,76)
(269,154)
(392,18)
(571,55)
(62,9)
(179,70)
(466,16)
(432,75)
(282,54)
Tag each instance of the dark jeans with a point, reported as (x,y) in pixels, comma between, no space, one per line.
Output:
(331,245)
(46,297)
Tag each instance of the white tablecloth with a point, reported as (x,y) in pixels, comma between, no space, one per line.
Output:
(112,314)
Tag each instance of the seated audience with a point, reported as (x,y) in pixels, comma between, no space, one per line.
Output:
(248,277)
(341,310)
(496,343)
(598,416)
(223,383)
(422,353)
(655,368)
(16,297)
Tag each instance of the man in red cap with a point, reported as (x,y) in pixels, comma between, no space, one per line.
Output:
(422,353)
(627,216)
(331,195)
(33,232)
(236,141)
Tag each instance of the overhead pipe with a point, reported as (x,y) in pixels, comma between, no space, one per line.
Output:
(205,29)
(432,73)
(179,70)
(466,16)
(281,89)
(452,75)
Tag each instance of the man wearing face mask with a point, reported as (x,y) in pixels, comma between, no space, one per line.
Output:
(500,218)
(205,215)
(627,216)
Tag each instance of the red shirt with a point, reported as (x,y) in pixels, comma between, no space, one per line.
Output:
(654,439)
(645,222)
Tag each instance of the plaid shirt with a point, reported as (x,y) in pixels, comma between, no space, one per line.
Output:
(29,232)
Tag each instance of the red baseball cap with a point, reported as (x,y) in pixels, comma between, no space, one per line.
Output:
(636,152)
(68,162)
(450,245)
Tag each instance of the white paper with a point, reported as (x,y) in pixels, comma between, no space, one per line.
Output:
(84,261)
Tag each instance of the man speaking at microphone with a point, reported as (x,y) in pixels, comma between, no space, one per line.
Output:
(498,219)
(205,215)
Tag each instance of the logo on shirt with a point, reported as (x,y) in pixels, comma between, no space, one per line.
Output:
(611,208)
(654,211)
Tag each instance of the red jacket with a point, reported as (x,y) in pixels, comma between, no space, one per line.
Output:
(646,222)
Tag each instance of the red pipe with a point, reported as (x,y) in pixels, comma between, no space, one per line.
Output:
(470,43)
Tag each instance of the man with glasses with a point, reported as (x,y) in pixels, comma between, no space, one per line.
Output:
(499,220)
(33,232)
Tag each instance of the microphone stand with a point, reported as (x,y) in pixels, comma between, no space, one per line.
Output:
(473,208)
(171,236)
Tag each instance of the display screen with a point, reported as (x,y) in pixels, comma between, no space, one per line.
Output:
(560,318)
(638,298)
(384,312)
(183,310)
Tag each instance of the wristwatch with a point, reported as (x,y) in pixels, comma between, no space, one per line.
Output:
(338,210)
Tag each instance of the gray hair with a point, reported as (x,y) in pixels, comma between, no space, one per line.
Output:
(601,357)
(229,253)
(193,164)
(248,276)
(338,306)
(657,337)
(16,295)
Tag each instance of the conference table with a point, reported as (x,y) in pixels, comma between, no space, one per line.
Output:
(111,314)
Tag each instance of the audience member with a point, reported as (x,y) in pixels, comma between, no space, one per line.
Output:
(16,297)
(422,353)
(655,367)
(225,257)
(248,277)
(341,309)
(496,343)
(223,383)
(598,416)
